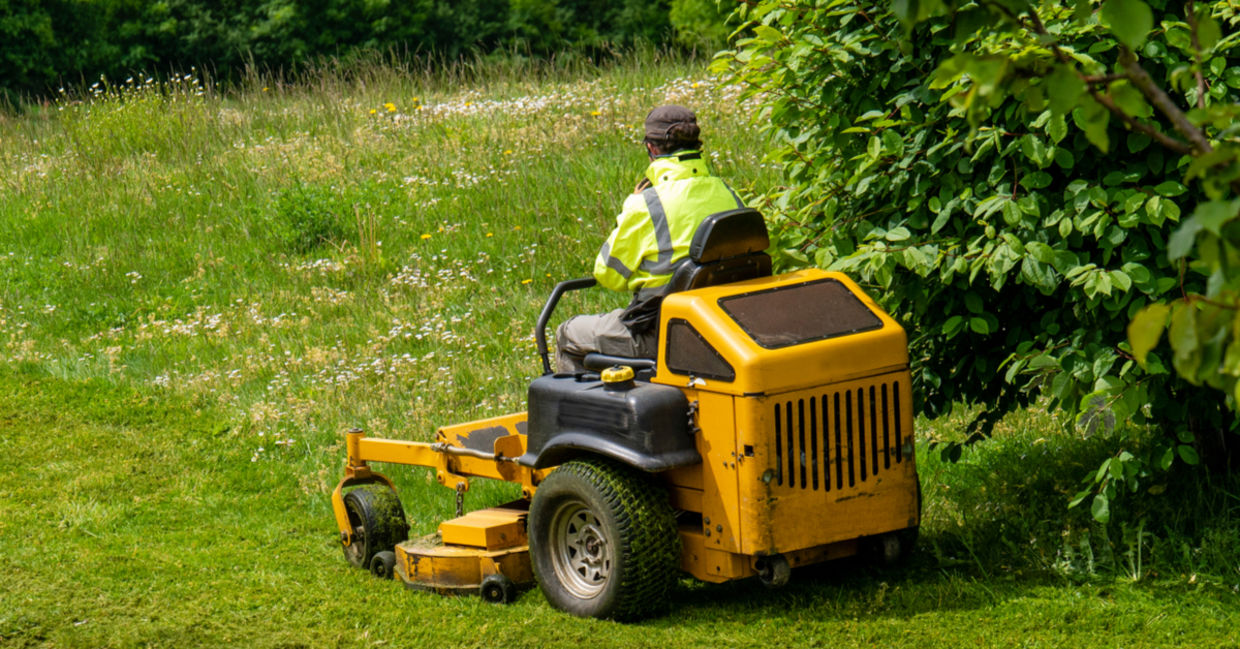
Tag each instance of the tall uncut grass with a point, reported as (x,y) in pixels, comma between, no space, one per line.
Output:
(201,288)
(369,249)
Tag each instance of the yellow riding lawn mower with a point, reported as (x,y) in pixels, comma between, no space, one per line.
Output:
(773,430)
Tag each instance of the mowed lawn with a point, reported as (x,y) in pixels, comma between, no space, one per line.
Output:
(201,289)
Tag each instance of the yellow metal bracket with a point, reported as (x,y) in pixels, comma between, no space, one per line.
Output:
(356,472)
(453,464)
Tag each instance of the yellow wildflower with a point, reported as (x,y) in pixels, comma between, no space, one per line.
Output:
(526,281)
(391,108)
(507,151)
(595,113)
(373,111)
(426,236)
(490,234)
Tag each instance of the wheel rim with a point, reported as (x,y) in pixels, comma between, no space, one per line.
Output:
(581,550)
(355,552)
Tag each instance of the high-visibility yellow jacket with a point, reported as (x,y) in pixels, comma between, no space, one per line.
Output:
(656,225)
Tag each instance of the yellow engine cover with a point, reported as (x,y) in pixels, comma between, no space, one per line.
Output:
(801,386)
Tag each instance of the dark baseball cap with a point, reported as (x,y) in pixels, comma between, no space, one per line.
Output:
(661,120)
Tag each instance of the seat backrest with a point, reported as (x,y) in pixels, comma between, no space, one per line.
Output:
(729,234)
(727,247)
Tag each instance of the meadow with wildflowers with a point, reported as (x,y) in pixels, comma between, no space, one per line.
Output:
(200,289)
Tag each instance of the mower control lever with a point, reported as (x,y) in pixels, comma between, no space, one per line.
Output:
(540,331)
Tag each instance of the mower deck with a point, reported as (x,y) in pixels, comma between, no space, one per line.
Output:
(487,547)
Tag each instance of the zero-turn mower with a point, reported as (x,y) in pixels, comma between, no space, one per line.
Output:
(773,430)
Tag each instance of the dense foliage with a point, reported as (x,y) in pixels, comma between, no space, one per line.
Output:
(49,42)
(1008,177)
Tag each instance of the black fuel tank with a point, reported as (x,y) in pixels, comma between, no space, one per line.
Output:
(640,424)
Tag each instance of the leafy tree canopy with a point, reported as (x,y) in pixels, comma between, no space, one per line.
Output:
(1017,181)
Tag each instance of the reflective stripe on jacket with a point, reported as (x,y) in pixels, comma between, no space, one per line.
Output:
(655,226)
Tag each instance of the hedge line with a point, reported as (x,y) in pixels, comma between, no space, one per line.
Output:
(49,43)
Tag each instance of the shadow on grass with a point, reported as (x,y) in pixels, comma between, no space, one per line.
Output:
(996,526)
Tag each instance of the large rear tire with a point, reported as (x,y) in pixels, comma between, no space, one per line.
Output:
(378,523)
(603,541)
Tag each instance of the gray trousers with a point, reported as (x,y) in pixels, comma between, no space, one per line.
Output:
(603,333)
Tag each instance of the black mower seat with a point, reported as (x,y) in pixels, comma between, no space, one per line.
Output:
(727,247)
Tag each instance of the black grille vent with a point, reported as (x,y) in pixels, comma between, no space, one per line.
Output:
(838,439)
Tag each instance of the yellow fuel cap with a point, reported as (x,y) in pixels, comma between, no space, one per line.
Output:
(617,374)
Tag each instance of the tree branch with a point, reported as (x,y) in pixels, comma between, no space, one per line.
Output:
(1190,15)
(1149,86)
(1156,96)
(1158,136)
(1102,79)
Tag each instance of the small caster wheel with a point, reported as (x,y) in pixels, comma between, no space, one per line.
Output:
(498,589)
(382,564)
(891,549)
(773,570)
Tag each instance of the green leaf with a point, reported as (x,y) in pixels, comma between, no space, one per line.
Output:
(1188,454)
(973,302)
(979,325)
(911,12)
(1121,280)
(1181,242)
(1092,117)
(1065,89)
(1212,215)
(892,143)
(1040,251)
(1036,180)
(1082,11)
(1208,30)
(1167,457)
(1137,142)
(1170,188)
(1184,341)
(1101,509)
(1011,212)
(767,34)
(1130,100)
(1057,128)
(1034,149)
(1130,20)
(1146,329)
(898,234)
(1064,158)
(940,221)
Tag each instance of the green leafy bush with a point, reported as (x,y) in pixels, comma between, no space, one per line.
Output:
(1004,181)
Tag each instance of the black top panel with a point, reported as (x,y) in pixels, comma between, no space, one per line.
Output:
(800,313)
